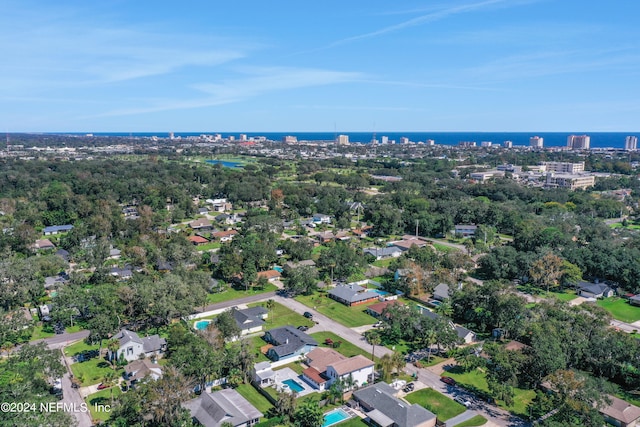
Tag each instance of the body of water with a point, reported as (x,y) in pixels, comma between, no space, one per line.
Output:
(334,417)
(225,163)
(551,139)
(293,385)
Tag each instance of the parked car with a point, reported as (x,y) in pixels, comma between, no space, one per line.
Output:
(308,315)
(303,328)
(464,402)
(448,380)
(102,386)
(409,387)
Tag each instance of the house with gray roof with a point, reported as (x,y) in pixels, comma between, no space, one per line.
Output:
(384,253)
(353,294)
(594,290)
(55,229)
(288,342)
(384,409)
(249,320)
(441,292)
(132,346)
(224,406)
(466,335)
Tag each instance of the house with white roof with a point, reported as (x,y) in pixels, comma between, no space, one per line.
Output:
(132,346)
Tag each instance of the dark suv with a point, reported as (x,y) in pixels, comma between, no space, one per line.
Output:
(308,315)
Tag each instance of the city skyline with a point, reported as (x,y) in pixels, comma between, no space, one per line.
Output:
(471,65)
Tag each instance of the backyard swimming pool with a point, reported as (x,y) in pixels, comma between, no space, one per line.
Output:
(202,324)
(293,385)
(380,292)
(334,417)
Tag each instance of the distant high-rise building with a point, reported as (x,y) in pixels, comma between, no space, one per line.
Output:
(342,140)
(536,142)
(579,142)
(171,135)
(231,138)
(290,139)
(486,144)
(404,140)
(384,139)
(631,143)
(243,137)
(430,142)
(466,144)
(507,144)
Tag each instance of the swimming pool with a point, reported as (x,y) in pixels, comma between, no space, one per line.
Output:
(293,385)
(334,417)
(202,324)
(379,292)
(278,268)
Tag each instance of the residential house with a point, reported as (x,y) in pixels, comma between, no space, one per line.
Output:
(263,375)
(132,347)
(63,254)
(594,290)
(44,244)
(250,320)
(325,236)
(54,282)
(270,275)
(140,369)
(353,294)
(164,266)
(327,366)
(621,413)
(376,310)
(441,292)
(198,240)
(466,230)
(223,406)
(203,211)
(383,408)
(465,335)
(219,205)
(408,241)
(200,224)
(288,342)
(321,219)
(384,253)
(358,369)
(114,253)
(55,229)
(122,273)
(224,236)
(130,212)
(635,300)
(45,312)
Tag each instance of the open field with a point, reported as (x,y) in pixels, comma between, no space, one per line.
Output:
(231,294)
(348,316)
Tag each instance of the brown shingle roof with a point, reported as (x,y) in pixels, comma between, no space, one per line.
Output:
(621,410)
(314,375)
(378,308)
(319,358)
(351,364)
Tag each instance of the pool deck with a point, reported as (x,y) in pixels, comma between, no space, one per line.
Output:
(290,374)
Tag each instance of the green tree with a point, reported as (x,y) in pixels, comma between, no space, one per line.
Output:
(227,325)
(309,414)
(373,338)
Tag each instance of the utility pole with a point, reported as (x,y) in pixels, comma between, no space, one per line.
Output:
(417,227)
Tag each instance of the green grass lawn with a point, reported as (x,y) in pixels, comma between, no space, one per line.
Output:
(79,347)
(443,248)
(295,367)
(231,294)
(475,380)
(436,402)
(283,316)
(348,316)
(353,422)
(478,420)
(563,296)
(383,262)
(620,309)
(38,333)
(346,348)
(257,343)
(208,246)
(92,371)
(103,397)
(254,397)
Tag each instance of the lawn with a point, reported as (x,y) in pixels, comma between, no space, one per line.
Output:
(79,347)
(101,400)
(475,381)
(353,422)
(257,343)
(563,296)
(383,262)
(346,348)
(620,309)
(38,333)
(436,402)
(254,397)
(208,246)
(283,316)
(443,248)
(92,371)
(347,316)
(478,420)
(231,294)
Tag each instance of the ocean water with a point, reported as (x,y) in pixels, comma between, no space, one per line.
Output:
(551,139)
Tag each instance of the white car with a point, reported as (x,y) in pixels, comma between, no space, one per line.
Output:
(464,402)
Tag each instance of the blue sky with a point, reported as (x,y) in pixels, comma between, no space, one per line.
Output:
(210,66)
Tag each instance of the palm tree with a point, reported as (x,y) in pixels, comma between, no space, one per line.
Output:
(385,365)
(270,304)
(373,338)
(398,362)
(113,346)
(444,308)
(109,380)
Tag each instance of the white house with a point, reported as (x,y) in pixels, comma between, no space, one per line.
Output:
(132,346)
(359,368)
(321,219)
